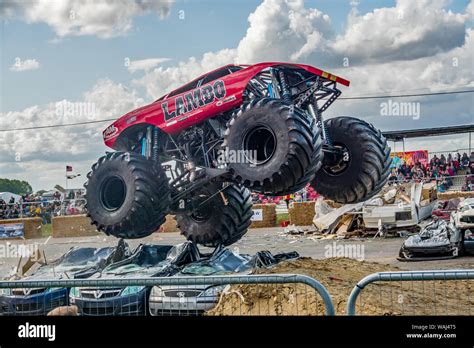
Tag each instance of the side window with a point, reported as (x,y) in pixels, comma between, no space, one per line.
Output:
(215,75)
(185,88)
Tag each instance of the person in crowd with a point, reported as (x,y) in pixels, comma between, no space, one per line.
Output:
(451,170)
(434,161)
(404,170)
(465,160)
(442,159)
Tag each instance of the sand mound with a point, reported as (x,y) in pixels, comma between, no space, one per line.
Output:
(339,275)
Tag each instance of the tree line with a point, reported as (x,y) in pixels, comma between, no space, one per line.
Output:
(19,187)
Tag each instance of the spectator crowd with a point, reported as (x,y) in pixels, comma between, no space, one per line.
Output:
(38,206)
(441,169)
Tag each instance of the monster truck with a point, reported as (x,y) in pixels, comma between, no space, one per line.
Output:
(199,151)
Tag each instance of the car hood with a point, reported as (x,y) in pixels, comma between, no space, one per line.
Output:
(152,260)
(436,233)
(225,261)
(81,262)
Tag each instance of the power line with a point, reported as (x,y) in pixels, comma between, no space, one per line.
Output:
(406,95)
(341,98)
(57,125)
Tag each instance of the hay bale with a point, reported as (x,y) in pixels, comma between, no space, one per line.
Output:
(267,213)
(73,226)
(429,192)
(301,213)
(169,225)
(31,226)
(444,196)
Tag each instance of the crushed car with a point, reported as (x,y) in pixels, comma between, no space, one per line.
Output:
(400,207)
(196,299)
(437,240)
(464,216)
(77,263)
(147,260)
(444,209)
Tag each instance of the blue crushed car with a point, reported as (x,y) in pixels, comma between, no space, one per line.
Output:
(147,260)
(76,263)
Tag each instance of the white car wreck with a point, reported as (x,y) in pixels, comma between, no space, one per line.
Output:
(464,217)
(403,210)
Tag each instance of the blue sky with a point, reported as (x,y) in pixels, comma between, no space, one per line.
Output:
(73,64)
(84,62)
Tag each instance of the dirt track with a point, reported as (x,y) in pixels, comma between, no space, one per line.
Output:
(339,275)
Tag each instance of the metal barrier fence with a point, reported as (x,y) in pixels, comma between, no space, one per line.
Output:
(464,182)
(441,292)
(280,294)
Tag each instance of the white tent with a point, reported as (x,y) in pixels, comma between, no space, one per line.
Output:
(6,196)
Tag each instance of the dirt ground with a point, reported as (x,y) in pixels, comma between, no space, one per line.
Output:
(339,275)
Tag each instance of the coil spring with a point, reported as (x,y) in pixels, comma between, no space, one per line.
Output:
(326,133)
(285,92)
(155,144)
(319,118)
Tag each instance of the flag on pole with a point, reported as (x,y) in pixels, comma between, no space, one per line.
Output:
(68,168)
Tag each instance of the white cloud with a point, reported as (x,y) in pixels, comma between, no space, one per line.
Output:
(470,11)
(102,18)
(162,80)
(284,30)
(24,65)
(410,30)
(145,64)
(105,100)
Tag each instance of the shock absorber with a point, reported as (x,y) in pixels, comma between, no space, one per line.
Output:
(285,91)
(314,111)
(155,144)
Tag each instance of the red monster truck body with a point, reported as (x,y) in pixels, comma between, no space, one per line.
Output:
(199,151)
(209,95)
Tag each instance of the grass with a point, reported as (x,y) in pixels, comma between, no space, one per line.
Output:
(46,230)
(280,218)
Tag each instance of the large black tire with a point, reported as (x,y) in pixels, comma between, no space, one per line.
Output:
(368,166)
(127,195)
(286,139)
(223,220)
